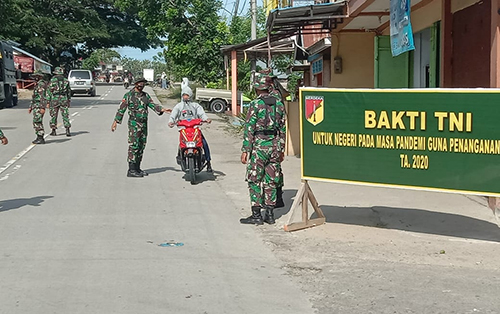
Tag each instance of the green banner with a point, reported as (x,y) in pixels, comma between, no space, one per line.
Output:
(442,139)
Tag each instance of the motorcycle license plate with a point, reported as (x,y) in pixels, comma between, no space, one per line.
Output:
(190,144)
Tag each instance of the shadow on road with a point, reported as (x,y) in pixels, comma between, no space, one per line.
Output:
(20,202)
(52,140)
(414,220)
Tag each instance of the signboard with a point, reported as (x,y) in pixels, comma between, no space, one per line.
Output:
(400,27)
(25,62)
(434,139)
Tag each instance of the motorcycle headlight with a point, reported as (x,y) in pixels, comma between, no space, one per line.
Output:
(191,144)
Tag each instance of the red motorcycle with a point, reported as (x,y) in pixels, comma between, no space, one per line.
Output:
(191,157)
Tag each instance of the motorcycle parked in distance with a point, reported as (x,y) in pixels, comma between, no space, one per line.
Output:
(190,155)
(126,83)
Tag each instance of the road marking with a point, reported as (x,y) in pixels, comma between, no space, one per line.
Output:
(74,114)
(16,158)
(5,177)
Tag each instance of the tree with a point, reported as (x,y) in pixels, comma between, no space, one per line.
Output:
(100,56)
(62,31)
(193,32)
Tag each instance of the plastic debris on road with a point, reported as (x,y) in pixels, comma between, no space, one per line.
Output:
(169,244)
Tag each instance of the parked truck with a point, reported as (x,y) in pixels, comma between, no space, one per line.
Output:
(217,100)
(8,89)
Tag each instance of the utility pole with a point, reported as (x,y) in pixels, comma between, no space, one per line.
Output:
(236,6)
(253,13)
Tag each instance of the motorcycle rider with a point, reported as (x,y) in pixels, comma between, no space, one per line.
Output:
(187,109)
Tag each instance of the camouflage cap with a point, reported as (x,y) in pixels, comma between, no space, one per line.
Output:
(37,73)
(140,80)
(58,70)
(262,81)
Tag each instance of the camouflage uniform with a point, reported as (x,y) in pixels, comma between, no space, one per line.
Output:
(59,95)
(39,102)
(137,104)
(264,142)
(1,134)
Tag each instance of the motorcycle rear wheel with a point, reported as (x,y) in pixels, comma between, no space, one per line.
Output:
(192,172)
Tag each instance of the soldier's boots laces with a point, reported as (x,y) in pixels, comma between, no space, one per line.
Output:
(279,198)
(209,167)
(53,133)
(132,172)
(67,132)
(39,140)
(254,219)
(269,215)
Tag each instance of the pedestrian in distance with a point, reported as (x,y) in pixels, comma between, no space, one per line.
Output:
(263,150)
(3,138)
(38,104)
(137,102)
(163,80)
(59,99)
(186,110)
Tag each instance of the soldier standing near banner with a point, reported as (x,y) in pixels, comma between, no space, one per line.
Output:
(3,138)
(263,150)
(37,106)
(59,97)
(137,103)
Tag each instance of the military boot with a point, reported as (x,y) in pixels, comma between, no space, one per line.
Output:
(254,219)
(67,132)
(269,215)
(39,140)
(279,198)
(132,172)
(53,133)
(209,166)
(138,168)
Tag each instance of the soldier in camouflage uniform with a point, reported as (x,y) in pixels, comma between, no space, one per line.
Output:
(137,103)
(37,106)
(3,138)
(59,97)
(263,150)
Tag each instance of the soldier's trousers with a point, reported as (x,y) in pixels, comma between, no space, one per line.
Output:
(262,176)
(55,106)
(38,121)
(137,137)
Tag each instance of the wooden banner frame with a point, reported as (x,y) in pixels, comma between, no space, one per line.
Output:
(303,196)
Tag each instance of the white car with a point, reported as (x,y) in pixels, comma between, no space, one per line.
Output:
(81,82)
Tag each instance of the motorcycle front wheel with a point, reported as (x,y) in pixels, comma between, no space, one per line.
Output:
(192,171)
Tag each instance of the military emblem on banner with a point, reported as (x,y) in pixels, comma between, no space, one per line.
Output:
(315,109)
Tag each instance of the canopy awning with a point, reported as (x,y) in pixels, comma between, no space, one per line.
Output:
(291,20)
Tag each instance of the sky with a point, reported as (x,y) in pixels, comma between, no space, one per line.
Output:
(135,53)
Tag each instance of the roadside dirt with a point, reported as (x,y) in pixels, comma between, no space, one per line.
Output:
(382,250)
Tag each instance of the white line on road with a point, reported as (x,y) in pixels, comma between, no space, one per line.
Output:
(5,177)
(74,114)
(18,156)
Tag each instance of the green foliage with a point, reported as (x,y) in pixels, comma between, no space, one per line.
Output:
(136,66)
(105,56)
(64,31)
(293,80)
(240,27)
(194,34)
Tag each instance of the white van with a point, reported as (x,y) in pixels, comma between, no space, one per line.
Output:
(81,82)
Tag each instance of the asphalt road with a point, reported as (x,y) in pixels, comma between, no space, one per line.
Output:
(78,236)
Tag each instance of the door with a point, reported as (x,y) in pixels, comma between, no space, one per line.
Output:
(390,72)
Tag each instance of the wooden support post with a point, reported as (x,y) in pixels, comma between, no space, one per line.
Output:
(234,83)
(303,197)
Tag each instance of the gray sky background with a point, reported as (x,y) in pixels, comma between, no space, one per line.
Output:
(148,55)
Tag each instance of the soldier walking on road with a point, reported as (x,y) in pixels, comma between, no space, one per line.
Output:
(137,103)
(38,104)
(59,97)
(3,138)
(263,150)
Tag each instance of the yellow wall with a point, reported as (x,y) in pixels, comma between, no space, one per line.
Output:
(357,52)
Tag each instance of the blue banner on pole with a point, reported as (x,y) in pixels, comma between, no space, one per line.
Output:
(401,32)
